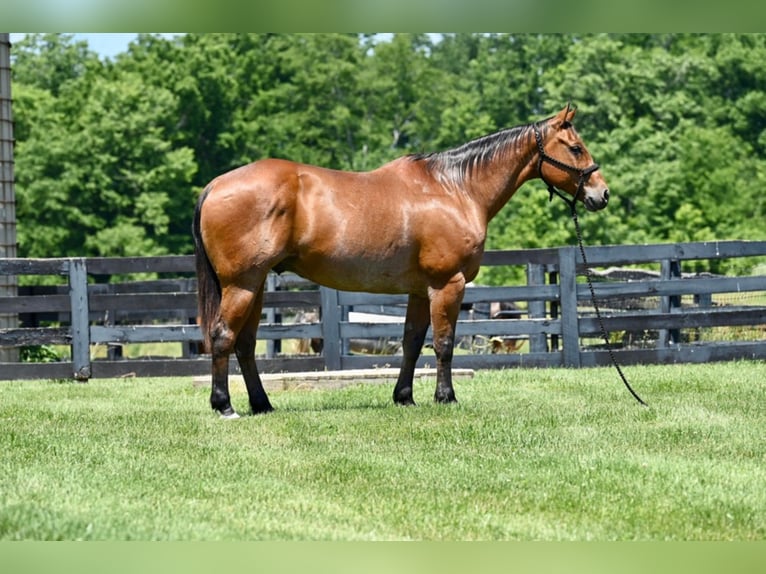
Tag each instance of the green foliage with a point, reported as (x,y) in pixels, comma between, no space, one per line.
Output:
(554,454)
(39,354)
(111,155)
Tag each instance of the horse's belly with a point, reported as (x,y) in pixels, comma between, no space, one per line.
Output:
(373,275)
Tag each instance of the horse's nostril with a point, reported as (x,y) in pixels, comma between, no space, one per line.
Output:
(606,195)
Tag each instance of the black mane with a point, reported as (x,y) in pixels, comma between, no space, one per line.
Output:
(460,162)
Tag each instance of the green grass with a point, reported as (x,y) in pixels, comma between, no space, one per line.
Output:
(526,455)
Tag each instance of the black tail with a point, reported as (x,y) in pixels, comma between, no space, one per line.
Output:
(208,287)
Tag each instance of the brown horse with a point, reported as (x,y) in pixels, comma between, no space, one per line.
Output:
(416,225)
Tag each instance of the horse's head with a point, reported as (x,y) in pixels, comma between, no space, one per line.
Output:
(564,162)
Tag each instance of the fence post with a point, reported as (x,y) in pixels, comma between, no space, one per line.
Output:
(553,279)
(536,309)
(669,269)
(570,326)
(273,346)
(331,317)
(78,300)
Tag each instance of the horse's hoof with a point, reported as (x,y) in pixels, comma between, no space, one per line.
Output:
(405,402)
(229,414)
(403,397)
(261,409)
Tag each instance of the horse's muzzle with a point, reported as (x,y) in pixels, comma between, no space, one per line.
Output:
(596,201)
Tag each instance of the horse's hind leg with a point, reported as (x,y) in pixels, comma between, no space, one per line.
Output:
(245,350)
(236,305)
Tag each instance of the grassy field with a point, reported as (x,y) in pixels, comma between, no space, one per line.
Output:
(526,455)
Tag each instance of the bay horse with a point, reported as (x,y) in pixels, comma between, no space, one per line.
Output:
(415,226)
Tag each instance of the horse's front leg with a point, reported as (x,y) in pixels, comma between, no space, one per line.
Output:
(445,307)
(415,329)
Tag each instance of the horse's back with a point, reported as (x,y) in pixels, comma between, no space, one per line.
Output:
(388,230)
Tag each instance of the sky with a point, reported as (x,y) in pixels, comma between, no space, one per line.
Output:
(105,45)
(108,45)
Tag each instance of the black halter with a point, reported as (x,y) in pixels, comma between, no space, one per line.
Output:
(583,174)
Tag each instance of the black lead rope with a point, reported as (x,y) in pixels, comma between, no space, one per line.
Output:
(595,306)
(572,203)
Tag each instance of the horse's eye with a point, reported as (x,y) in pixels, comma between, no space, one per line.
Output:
(576,150)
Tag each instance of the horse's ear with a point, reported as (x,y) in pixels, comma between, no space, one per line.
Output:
(564,118)
(571,111)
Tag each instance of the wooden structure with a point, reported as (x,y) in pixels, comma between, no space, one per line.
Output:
(557,320)
(7,191)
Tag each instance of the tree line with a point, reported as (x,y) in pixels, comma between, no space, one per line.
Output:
(111,154)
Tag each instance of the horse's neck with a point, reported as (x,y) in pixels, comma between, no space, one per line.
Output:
(494,186)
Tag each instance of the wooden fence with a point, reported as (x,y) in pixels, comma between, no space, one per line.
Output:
(664,312)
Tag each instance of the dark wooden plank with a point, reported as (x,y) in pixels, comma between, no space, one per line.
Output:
(186,333)
(290,331)
(144,302)
(630,254)
(188,301)
(34,304)
(145,334)
(544,256)
(24,336)
(371,330)
(472,295)
(127,265)
(144,316)
(694,353)
(525,293)
(510,327)
(351,298)
(509,360)
(674,287)
(487,327)
(298,299)
(381,361)
(684,319)
(176,285)
(14,266)
(35,371)
(291,364)
(104,369)
(488,361)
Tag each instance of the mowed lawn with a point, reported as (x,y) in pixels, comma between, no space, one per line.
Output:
(525,455)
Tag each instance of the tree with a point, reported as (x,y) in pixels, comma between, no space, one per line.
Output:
(50,61)
(307,106)
(404,97)
(111,155)
(100,177)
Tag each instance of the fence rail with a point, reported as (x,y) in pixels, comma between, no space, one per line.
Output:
(554,316)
